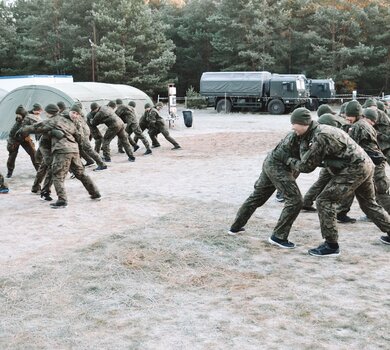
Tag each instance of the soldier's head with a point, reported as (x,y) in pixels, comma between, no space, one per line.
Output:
(61,106)
(112,105)
(353,111)
(332,120)
(324,109)
(37,109)
(132,104)
(342,109)
(159,105)
(51,109)
(75,111)
(118,101)
(370,103)
(381,106)
(94,106)
(300,120)
(370,115)
(21,111)
(148,106)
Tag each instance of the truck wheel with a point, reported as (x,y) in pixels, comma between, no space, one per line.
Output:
(276,107)
(221,106)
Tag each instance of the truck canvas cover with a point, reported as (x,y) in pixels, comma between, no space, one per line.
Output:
(233,83)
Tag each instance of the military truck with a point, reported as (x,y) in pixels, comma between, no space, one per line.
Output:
(321,91)
(254,91)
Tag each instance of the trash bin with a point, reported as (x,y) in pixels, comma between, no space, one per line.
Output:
(187,115)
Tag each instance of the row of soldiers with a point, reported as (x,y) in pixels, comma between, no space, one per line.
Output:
(65,137)
(352,149)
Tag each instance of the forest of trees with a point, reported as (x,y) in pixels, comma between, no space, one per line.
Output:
(147,44)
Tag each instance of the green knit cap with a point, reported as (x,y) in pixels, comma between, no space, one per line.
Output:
(301,116)
(380,105)
(370,114)
(51,108)
(353,109)
(332,120)
(324,109)
(148,105)
(75,108)
(342,108)
(369,103)
(132,103)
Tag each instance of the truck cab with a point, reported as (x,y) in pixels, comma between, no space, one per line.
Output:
(321,91)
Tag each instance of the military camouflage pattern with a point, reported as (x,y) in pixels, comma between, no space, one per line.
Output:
(115,127)
(352,171)
(94,132)
(156,125)
(44,171)
(62,163)
(382,126)
(275,175)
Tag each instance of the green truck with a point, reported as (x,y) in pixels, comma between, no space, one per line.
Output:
(321,91)
(254,91)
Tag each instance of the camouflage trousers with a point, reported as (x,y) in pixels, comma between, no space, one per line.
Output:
(153,132)
(62,163)
(381,183)
(44,172)
(13,149)
(274,176)
(325,176)
(111,132)
(97,136)
(358,179)
(89,154)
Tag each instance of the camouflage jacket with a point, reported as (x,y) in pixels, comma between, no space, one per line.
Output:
(154,119)
(329,147)
(69,143)
(106,115)
(365,136)
(382,127)
(127,114)
(29,119)
(286,148)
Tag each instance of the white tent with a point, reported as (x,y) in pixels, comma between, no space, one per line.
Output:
(69,93)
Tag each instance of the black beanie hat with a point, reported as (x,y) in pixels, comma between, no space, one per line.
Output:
(148,105)
(51,108)
(75,108)
(118,101)
(132,103)
(301,116)
(111,104)
(37,107)
(21,111)
(94,105)
(61,105)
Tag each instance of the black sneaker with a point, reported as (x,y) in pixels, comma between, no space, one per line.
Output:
(232,232)
(9,174)
(131,159)
(136,148)
(46,197)
(4,190)
(96,197)
(89,164)
(148,151)
(385,239)
(36,190)
(60,204)
(175,147)
(156,145)
(120,150)
(100,167)
(345,219)
(106,159)
(282,243)
(309,209)
(324,250)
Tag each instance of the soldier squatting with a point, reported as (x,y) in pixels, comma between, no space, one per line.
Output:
(351,149)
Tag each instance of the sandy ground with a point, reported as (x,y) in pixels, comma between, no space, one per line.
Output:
(151,267)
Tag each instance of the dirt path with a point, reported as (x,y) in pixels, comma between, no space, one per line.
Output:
(151,266)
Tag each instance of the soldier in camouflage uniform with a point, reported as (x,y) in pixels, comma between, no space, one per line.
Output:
(13,143)
(275,175)
(86,150)
(156,125)
(95,132)
(129,117)
(364,134)
(352,171)
(115,127)
(65,149)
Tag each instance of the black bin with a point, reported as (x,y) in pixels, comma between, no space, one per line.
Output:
(187,115)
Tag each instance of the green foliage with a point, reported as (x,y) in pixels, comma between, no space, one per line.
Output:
(194,99)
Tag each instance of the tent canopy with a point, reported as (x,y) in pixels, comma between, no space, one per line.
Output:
(69,93)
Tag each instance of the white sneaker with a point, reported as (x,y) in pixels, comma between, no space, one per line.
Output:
(235,233)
